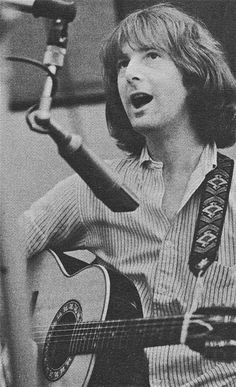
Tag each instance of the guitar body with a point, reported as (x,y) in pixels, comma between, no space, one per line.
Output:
(60,299)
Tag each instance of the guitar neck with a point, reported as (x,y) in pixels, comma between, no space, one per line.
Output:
(119,334)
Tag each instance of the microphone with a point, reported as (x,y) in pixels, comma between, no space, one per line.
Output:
(105,184)
(52,9)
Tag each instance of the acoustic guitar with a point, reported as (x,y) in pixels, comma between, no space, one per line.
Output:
(89,328)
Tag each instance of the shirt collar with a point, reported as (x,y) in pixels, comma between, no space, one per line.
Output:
(207,161)
(210,157)
(145,159)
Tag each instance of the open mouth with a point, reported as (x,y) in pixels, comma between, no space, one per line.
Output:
(140,99)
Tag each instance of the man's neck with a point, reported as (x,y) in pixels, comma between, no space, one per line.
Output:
(178,153)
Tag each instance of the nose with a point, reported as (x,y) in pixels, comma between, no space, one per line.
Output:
(133,70)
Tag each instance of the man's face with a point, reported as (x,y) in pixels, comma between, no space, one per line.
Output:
(151,89)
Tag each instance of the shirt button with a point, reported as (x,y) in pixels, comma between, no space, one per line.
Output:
(168,243)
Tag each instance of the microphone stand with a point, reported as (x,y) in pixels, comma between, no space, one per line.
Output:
(54,60)
(106,185)
(15,324)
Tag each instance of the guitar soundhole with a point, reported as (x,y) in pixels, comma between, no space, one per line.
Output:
(57,347)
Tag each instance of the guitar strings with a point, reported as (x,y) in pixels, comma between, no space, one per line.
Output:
(101,326)
(108,323)
(111,324)
(60,336)
(77,332)
(101,329)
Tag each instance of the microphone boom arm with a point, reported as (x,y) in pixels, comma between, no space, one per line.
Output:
(106,185)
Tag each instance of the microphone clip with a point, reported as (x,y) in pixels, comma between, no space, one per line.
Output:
(56,44)
(34,123)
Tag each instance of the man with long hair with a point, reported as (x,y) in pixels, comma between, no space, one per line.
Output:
(171,102)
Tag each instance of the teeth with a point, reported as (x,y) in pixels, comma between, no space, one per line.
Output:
(140,99)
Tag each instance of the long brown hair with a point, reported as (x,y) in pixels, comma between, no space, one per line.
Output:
(199,57)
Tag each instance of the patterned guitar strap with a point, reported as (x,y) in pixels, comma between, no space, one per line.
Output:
(214,198)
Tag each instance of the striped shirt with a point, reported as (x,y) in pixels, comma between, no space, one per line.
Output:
(151,250)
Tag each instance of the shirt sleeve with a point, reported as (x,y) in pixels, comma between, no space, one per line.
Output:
(54,220)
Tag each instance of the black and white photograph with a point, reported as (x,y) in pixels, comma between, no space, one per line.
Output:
(118,193)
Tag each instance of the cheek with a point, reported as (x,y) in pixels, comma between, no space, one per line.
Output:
(175,79)
(177,92)
(121,91)
(181,89)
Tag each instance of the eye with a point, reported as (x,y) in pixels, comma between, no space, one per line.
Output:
(152,54)
(122,63)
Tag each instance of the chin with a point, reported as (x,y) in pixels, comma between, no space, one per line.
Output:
(144,122)
(143,128)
